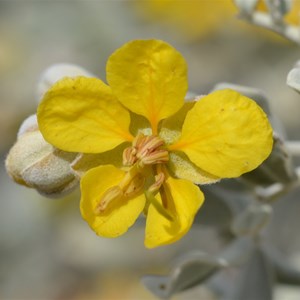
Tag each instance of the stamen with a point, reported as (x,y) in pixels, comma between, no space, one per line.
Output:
(129,156)
(146,150)
(135,186)
(159,180)
(164,196)
(129,186)
(138,139)
(157,157)
(151,143)
(113,193)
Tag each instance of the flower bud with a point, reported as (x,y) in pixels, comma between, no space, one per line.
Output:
(35,163)
(57,72)
(29,124)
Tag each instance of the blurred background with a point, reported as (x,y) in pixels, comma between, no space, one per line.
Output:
(46,250)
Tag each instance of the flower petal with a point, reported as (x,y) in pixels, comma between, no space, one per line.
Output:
(186,198)
(226,134)
(82,115)
(149,77)
(121,215)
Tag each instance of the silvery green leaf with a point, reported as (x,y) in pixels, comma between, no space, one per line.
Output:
(196,267)
(277,168)
(223,200)
(215,210)
(246,7)
(238,252)
(251,220)
(286,273)
(235,254)
(253,93)
(158,285)
(256,279)
(190,270)
(293,78)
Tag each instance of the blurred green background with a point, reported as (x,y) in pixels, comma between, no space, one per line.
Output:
(46,250)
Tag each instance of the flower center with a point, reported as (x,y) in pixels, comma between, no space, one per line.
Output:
(145,151)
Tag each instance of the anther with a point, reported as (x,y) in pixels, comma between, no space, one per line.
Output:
(145,150)
(135,186)
(151,144)
(129,156)
(159,180)
(156,157)
(113,193)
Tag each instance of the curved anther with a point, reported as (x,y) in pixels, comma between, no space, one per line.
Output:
(159,180)
(112,194)
(132,184)
(146,150)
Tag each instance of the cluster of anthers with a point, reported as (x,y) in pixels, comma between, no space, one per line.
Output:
(143,160)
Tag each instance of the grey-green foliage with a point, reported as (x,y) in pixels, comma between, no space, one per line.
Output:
(191,269)
(256,278)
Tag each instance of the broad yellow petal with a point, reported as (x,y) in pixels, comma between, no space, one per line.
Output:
(82,115)
(226,134)
(185,199)
(120,215)
(149,77)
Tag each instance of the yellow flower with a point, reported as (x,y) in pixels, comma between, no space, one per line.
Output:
(152,146)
